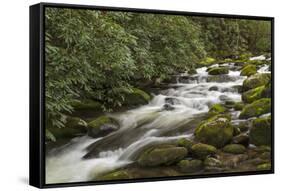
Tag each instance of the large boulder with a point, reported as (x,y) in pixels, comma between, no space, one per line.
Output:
(234,149)
(135,97)
(201,150)
(253,94)
(256,109)
(216,131)
(162,155)
(190,166)
(260,133)
(218,70)
(74,126)
(186,143)
(102,126)
(256,81)
(248,70)
(86,104)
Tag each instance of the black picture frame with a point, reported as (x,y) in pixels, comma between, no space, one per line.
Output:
(37,89)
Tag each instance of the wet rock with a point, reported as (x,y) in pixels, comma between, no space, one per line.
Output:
(172,101)
(190,166)
(135,97)
(256,109)
(256,80)
(102,126)
(266,92)
(260,133)
(218,70)
(221,78)
(234,149)
(162,155)
(248,70)
(168,107)
(241,139)
(224,98)
(214,88)
(216,131)
(201,150)
(243,126)
(238,88)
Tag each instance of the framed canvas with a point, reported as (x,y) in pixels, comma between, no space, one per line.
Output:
(122,95)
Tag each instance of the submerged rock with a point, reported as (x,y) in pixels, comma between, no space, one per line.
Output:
(256,109)
(260,133)
(216,131)
(201,150)
(190,166)
(102,126)
(234,149)
(162,155)
(256,80)
(168,107)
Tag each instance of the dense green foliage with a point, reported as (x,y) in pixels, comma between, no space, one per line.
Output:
(95,55)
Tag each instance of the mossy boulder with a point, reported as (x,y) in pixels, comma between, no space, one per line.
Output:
(264,166)
(206,62)
(218,70)
(248,70)
(186,143)
(266,92)
(256,109)
(86,104)
(256,80)
(117,175)
(216,131)
(162,155)
(190,166)
(253,94)
(201,150)
(135,97)
(216,109)
(212,162)
(234,149)
(102,126)
(74,126)
(260,133)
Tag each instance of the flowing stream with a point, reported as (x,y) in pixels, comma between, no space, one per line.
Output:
(164,119)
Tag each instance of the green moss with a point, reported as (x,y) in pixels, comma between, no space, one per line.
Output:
(260,133)
(253,94)
(257,108)
(183,142)
(238,106)
(190,166)
(248,70)
(218,70)
(266,92)
(118,175)
(96,123)
(207,61)
(217,109)
(216,131)
(201,150)
(162,155)
(136,97)
(86,105)
(256,80)
(234,149)
(265,166)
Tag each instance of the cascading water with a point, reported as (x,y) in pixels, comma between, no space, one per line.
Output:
(155,122)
